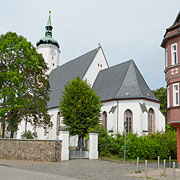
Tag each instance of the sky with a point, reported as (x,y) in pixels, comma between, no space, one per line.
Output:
(131,29)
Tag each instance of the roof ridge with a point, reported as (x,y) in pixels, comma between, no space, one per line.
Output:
(124,77)
(147,94)
(116,65)
(76,58)
(136,76)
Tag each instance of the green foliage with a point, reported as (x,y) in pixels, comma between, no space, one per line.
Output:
(80,107)
(28,135)
(161,94)
(22,72)
(151,146)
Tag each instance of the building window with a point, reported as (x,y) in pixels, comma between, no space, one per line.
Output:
(168,97)
(176,94)
(151,121)
(128,121)
(58,124)
(166,57)
(174,57)
(104,119)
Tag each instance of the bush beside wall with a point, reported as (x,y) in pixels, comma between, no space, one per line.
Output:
(163,144)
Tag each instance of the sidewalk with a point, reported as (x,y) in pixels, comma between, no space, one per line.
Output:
(157,174)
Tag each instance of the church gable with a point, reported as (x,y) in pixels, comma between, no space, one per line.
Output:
(98,63)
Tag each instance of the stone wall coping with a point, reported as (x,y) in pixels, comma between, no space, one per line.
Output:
(30,140)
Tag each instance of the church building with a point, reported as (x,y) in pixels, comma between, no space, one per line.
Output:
(127,101)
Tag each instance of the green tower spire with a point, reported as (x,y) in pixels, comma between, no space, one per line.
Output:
(48,34)
(49,26)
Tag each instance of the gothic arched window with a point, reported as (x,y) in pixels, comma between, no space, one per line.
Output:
(128,120)
(104,119)
(151,121)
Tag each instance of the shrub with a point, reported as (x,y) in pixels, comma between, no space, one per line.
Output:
(150,146)
(28,135)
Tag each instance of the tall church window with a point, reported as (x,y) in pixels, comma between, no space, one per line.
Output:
(174,56)
(128,121)
(151,121)
(104,119)
(58,124)
(176,94)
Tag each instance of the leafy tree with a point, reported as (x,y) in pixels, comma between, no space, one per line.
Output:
(161,94)
(80,107)
(22,95)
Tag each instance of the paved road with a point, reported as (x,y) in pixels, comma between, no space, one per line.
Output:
(9,173)
(71,170)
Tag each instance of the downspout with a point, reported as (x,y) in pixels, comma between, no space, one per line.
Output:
(117,115)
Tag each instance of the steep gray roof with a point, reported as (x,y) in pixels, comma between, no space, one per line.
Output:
(63,74)
(123,81)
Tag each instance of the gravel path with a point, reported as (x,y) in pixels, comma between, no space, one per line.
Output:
(77,169)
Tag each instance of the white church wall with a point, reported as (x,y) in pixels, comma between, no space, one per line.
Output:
(159,117)
(99,63)
(140,119)
(52,131)
(145,123)
(21,129)
(122,106)
(111,117)
(161,123)
(134,107)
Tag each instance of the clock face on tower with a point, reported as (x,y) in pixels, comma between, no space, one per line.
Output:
(52,52)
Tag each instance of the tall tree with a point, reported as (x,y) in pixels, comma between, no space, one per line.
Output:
(161,94)
(23,71)
(80,107)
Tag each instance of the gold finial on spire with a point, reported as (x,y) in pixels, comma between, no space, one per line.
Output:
(49,12)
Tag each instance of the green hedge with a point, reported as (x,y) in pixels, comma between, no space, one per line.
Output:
(163,144)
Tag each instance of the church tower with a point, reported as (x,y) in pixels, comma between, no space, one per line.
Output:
(49,47)
(171,44)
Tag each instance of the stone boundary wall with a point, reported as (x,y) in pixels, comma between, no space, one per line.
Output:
(33,150)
